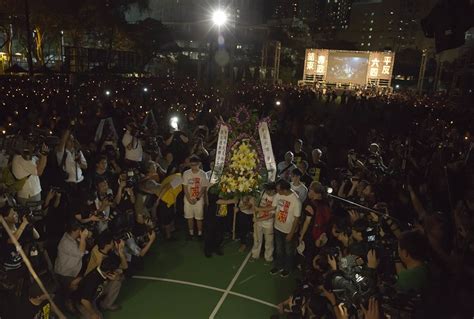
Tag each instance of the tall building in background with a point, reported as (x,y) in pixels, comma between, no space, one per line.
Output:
(386,24)
(287,9)
(332,14)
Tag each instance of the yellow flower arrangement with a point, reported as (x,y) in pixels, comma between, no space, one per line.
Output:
(241,176)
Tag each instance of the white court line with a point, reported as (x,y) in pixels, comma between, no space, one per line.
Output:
(221,301)
(189,283)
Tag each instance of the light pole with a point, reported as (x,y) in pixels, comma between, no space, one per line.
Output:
(62,47)
(28,37)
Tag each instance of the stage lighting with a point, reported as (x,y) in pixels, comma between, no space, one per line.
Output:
(219,17)
(278,103)
(397,86)
(174,123)
(145,89)
(329,190)
(107,93)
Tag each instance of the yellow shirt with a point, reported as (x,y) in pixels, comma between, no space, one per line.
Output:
(175,181)
(95,260)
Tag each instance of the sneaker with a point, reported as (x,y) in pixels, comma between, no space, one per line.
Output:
(268,262)
(200,237)
(275,271)
(284,274)
(252,260)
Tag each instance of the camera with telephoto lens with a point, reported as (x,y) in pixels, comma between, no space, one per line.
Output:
(122,235)
(303,292)
(32,211)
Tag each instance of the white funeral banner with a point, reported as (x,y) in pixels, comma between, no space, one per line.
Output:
(220,154)
(266,142)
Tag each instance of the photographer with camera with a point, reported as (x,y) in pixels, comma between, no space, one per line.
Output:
(10,257)
(71,161)
(71,250)
(133,144)
(92,287)
(101,171)
(105,247)
(28,167)
(105,203)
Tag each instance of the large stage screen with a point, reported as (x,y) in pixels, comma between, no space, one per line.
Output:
(347,67)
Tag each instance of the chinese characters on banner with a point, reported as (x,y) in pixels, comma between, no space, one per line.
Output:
(266,143)
(381,65)
(316,62)
(220,154)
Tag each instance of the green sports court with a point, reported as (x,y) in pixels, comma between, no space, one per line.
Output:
(178,281)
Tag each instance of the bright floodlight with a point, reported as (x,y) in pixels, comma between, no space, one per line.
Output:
(107,92)
(174,123)
(219,17)
(330,190)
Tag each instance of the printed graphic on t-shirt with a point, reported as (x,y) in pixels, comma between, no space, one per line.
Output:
(99,291)
(268,203)
(44,313)
(284,206)
(222,211)
(195,185)
(316,172)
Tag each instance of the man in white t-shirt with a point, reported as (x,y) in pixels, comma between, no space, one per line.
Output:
(31,168)
(71,159)
(132,144)
(195,183)
(287,208)
(299,188)
(263,226)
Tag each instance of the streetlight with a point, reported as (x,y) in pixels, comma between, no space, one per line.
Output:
(219,17)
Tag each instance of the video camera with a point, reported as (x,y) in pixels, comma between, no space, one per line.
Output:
(352,286)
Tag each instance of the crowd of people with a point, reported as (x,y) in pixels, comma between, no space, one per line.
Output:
(372,205)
